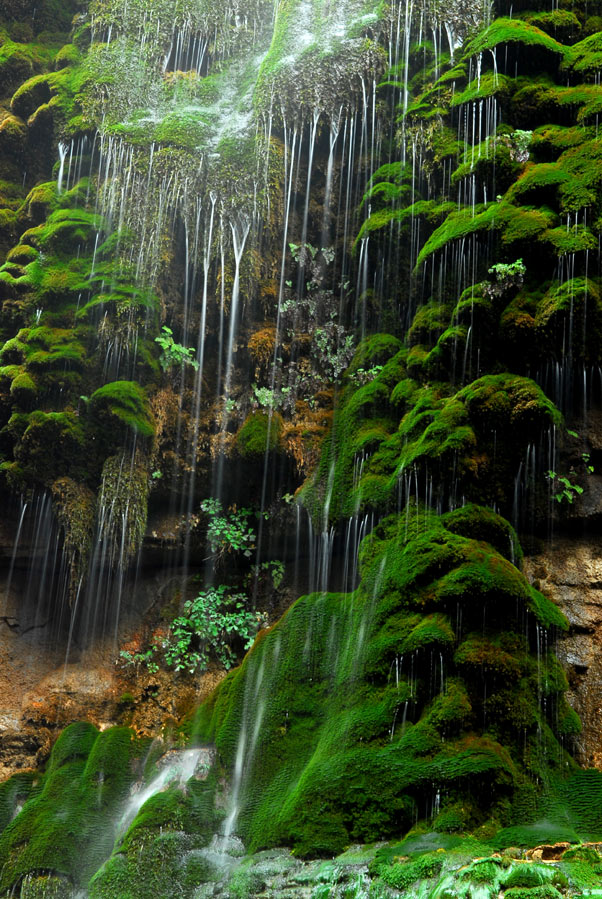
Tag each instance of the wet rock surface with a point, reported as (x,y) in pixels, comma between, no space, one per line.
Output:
(569,572)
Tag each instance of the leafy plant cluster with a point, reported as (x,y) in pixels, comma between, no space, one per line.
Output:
(143,658)
(313,308)
(518,143)
(229,530)
(211,625)
(272,570)
(212,621)
(172,353)
(565,487)
(507,275)
(281,398)
(363,376)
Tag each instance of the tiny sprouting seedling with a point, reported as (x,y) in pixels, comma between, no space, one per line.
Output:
(140,659)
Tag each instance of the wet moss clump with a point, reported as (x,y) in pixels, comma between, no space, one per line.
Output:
(386,695)
(160,851)
(89,773)
(123,404)
(260,433)
(123,505)
(398,426)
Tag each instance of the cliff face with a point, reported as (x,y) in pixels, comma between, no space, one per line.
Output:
(570,575)
(297,300)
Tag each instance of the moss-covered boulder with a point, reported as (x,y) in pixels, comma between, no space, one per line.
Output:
(260,433)
(89,774)
(427,675)
(123,405)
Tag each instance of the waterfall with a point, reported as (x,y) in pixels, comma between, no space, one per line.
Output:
(300,307)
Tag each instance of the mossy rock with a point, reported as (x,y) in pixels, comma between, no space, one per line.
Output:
(125,403)
(39,203)
(351,734)
(51,444)
(528,875)
(13,135)
(30,95)
(260,433)
(547,891)
(402,875)
(89,774)
(69,55)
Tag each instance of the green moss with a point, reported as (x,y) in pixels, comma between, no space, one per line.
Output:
(515,31)
(514,223)
(13,793)
(50,444)
(478,523)
(333,719)
(528,876)
(123,505)
(429,323)
(542,892)
(126,404)
(40,202)
(75,508)
(13,134)
(51,348)
(404,874)
(89,775)
(22,254)
(586,56)
(374,350)
(260,433)
(69,55)
(23,388)
(63,231)
(561,24)
(489,85)
(30,95)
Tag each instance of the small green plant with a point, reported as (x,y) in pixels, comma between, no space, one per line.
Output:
(363,376)
(140,659)
(173,353)
(333,349)
(274,569)
(506,275)
(211,621)
(567,490)
(264,397)
(521,141)
(228,531)
(157,475)
(504,271)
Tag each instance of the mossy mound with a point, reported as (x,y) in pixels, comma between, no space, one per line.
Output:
(393,428)
(125,404)
(387,696)
(259,434)
(89,774)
